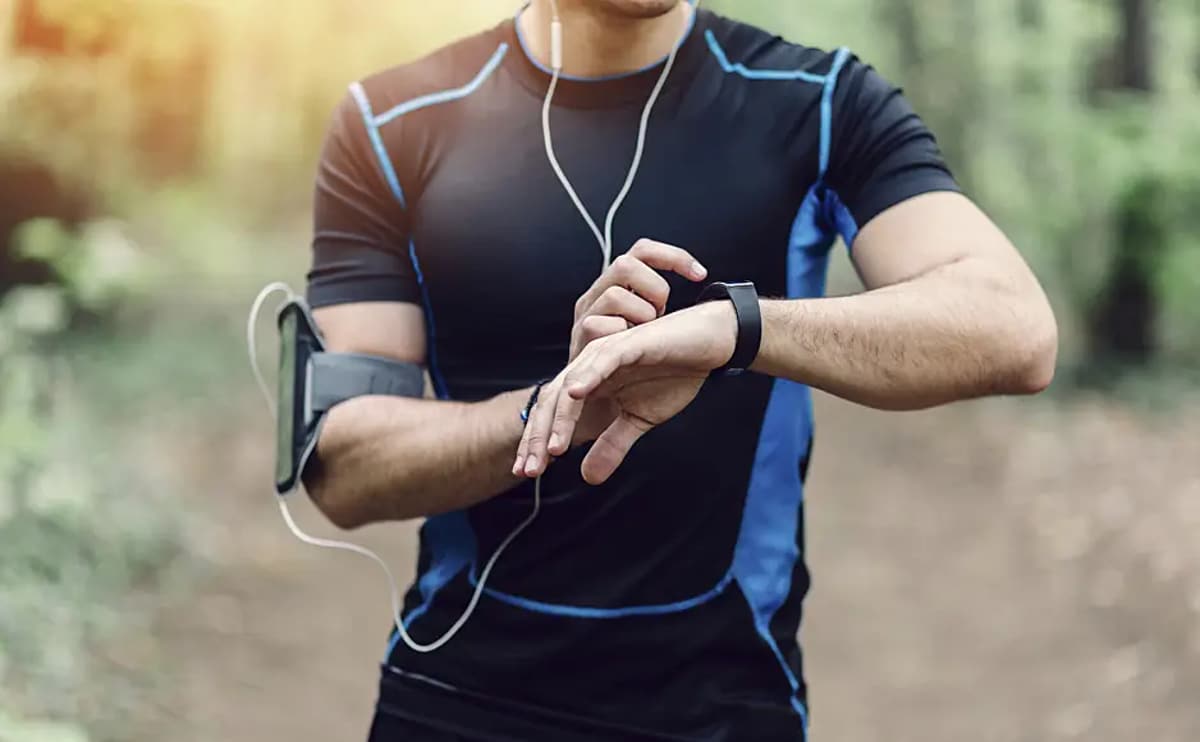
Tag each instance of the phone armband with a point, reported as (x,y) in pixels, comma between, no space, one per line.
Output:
(313,381)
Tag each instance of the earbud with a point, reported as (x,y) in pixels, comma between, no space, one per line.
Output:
(556,45)
(556,38)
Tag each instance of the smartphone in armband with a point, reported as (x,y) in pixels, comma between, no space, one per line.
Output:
(299,342)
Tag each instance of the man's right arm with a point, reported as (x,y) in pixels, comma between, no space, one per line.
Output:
(394,458)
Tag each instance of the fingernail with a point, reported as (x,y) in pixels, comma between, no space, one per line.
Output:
(531,465)
(698,270)
(518,467)
(556,441)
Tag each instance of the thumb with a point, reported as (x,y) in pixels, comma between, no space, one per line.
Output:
(611,448)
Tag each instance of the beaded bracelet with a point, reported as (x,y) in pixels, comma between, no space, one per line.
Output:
(533,398)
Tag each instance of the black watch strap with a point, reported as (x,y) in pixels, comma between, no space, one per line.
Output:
(749,318)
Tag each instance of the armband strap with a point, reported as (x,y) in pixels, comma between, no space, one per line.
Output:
(337,377)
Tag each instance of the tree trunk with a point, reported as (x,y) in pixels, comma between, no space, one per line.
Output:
(1135,46)
(1124,320)
(1030,14)
(1122,323)
(902,15)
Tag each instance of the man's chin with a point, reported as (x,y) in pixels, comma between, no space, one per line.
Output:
(641,9)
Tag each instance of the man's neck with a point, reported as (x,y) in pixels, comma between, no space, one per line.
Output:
(598,43)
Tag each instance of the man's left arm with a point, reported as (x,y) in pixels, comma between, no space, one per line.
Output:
(951,310)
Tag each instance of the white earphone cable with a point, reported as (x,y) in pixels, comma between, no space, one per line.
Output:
(605,239)
(252,340)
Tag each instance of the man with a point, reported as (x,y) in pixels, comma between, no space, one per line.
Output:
(658,594)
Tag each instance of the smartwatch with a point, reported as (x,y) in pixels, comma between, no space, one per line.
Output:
(749,320)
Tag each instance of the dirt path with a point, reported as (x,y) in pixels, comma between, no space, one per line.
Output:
(954,595)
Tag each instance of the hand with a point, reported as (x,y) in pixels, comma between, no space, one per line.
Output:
(630,292)
(649,374)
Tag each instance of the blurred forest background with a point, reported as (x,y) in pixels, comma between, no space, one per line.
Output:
(155,166)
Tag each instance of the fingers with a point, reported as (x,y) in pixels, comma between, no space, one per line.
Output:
(629,273)
(562,431)
(611,448)
(599,362)
(553,419)
(593,328)
(618,301)
(518,469)
(550,429)
(600,326)
(666,257)
(532,457)
(551,424)
(638,272)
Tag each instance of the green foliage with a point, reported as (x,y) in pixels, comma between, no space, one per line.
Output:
(24,730)
(76,532)
(98,266)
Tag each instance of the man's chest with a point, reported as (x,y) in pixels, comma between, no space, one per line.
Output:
(494,229)
(504,253)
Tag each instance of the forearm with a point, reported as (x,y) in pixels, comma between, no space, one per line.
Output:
(949,335)
(388,458)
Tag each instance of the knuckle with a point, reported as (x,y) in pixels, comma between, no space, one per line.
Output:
(624,264)
(613,295)
(592,325)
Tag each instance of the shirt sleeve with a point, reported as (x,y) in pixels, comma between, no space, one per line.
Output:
(881,152)
(360,231)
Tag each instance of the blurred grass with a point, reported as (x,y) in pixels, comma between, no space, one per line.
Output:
(95,485)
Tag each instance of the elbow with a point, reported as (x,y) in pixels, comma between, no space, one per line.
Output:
(344,518)
(337,507)
(1036,356)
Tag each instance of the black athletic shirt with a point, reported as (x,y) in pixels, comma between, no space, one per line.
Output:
(664,604)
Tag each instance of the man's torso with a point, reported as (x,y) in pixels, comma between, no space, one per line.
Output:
(664,604)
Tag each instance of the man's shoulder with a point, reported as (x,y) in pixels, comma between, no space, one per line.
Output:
(756,53)
(446,68)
